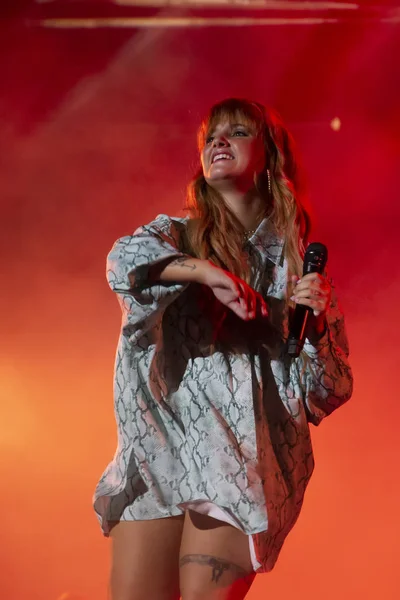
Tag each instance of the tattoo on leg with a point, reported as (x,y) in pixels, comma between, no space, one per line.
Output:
(218,565)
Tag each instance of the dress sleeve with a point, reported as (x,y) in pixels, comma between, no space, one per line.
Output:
(143,302)
(323,369)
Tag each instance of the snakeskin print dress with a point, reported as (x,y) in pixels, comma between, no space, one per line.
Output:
(199,422)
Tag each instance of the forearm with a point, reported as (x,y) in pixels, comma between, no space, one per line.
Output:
(179,270)
(327,379)
(326,374)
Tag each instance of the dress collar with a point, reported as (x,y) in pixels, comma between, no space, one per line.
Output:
(267,241)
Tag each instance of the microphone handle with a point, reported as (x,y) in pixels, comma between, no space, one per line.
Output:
(314,262)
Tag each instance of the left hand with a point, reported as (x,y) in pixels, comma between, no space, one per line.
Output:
(312,290)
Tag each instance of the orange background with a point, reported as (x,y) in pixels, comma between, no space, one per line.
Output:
(97,137)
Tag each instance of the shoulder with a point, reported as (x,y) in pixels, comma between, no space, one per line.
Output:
(165,223)
(166,227)
(163,226)
(162,229)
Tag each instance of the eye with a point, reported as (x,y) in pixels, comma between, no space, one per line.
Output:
(209,139)
(240,133)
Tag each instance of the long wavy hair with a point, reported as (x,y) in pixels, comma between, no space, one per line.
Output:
(213,230)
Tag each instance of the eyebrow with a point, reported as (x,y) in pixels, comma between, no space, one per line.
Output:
(210,131)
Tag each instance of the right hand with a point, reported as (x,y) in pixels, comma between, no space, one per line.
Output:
(234,293)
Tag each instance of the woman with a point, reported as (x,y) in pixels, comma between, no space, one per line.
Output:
(214,450)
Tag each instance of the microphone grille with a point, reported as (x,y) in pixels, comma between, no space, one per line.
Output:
(315,258)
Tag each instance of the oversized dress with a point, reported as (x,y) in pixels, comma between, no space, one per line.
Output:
(207,424)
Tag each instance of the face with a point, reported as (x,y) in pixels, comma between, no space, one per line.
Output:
(232,152)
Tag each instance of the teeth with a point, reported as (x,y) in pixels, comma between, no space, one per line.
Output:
(221,156)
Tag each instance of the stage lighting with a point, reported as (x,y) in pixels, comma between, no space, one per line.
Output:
(336,124)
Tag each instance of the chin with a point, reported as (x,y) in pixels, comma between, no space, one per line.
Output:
(221,179)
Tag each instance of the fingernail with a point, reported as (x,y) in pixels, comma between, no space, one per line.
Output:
(293,298)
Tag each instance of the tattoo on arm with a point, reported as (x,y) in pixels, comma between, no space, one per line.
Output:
(181,261)
(218,565)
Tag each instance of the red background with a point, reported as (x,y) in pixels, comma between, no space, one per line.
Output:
(97,137)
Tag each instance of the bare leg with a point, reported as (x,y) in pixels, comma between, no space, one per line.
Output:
(145,559)
(215,562)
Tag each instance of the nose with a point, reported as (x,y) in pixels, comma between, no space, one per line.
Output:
(220,140)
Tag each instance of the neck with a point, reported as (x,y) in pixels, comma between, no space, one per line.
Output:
(247,207)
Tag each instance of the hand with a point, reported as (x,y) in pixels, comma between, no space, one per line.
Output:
(235,293)
(312,290)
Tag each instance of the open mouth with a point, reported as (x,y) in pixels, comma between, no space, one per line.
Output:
(222,156)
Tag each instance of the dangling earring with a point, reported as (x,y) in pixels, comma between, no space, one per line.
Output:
(255,180)
(269,182)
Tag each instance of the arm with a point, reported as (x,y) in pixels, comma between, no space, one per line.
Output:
(182,269)
(227,288)
(323,369)
(133,266)
(148,271)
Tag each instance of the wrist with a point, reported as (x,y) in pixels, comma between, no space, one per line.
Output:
(316,329)
(205,267)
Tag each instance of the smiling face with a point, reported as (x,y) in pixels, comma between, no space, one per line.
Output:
(232,151)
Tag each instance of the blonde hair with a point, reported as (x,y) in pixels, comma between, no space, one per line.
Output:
(214,232)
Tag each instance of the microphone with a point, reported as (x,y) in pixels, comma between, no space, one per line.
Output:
(314,262)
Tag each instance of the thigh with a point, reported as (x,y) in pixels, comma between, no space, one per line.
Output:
(215,562)
(145,559)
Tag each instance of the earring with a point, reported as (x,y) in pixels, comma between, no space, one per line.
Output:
(269,182)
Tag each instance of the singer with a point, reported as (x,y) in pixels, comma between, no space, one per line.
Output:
(214,451)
